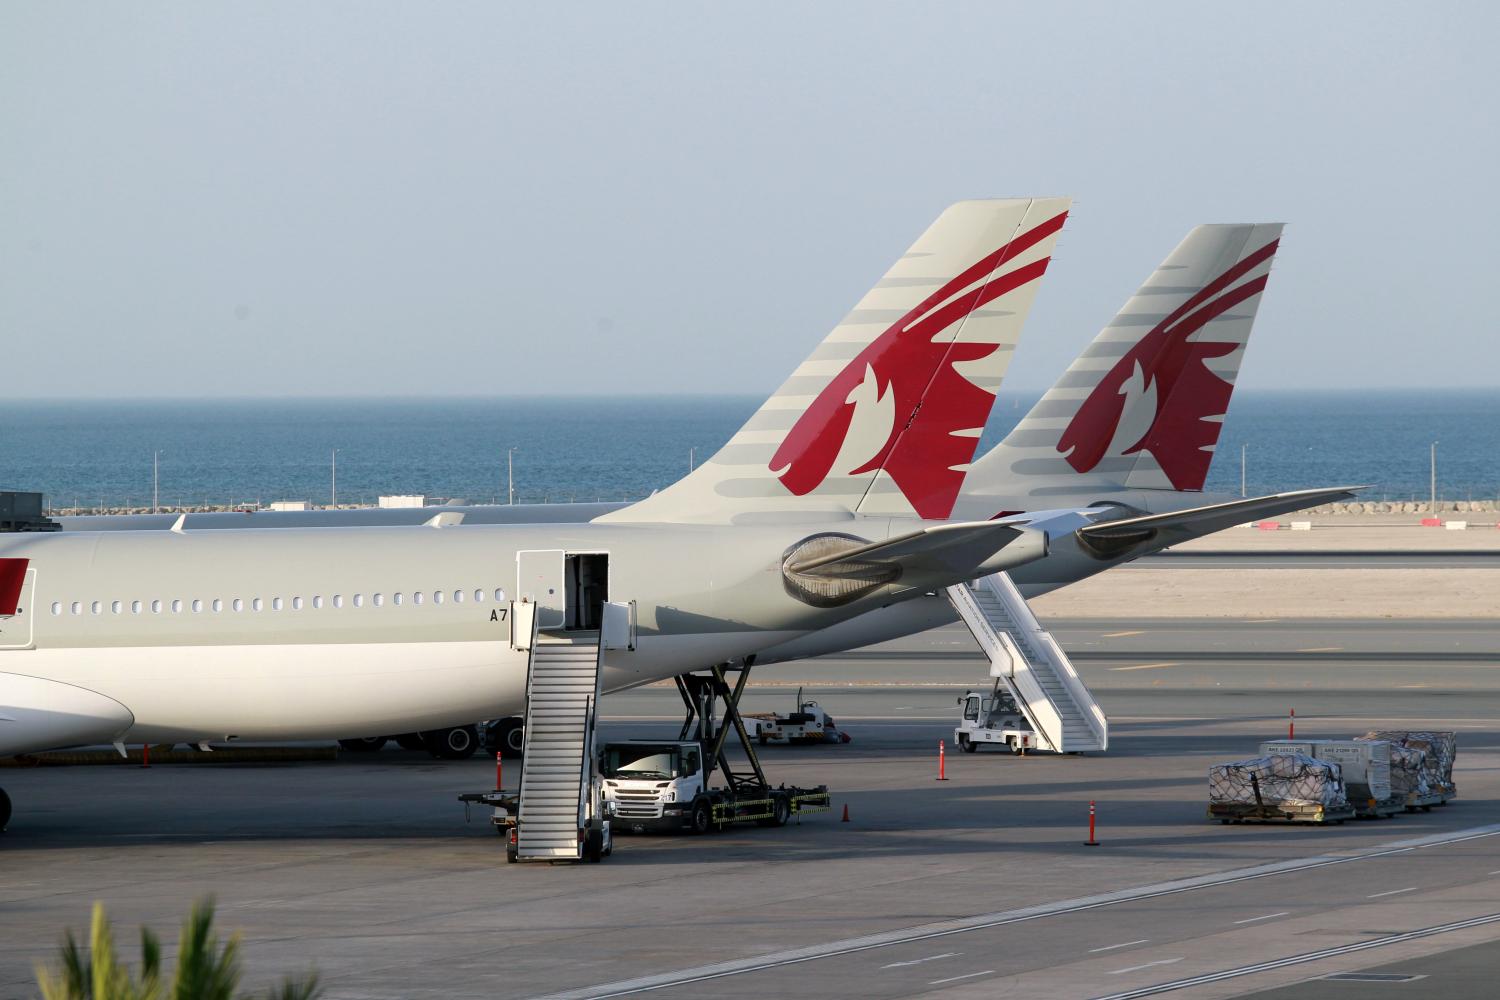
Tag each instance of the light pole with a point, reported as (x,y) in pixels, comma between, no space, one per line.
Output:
(333,480)
(510,474)
(1242,468)
(1433,457)
(691,456)
(155,481)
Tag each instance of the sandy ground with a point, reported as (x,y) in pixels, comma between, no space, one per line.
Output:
(1302,591)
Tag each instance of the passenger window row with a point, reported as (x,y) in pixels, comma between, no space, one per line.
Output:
(316,603)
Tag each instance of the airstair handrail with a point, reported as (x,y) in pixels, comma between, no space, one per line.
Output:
(1093,715)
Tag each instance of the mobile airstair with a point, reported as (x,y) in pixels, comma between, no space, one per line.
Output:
(557,814)
(1034,668)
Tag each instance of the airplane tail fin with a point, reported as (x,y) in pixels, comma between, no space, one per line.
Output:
(886,413)
(1143,406)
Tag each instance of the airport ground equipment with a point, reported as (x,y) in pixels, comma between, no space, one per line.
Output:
(993,719)
(1410,770)
(667,785)
(1278,788)
(1033,668)
(1441,749)
(808,724)
(1364,765)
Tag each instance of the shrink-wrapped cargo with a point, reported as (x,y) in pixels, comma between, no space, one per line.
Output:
(1280,779)
(1441,748)
(1409,771)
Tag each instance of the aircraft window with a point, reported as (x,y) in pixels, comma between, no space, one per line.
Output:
(96,607)
(176,605)
(479,596)
(396,597)
(359,600)
(77,608)
(416,597)
(135,607)
(197,605)
(296,603)
(156,606)
(57,607)
(317,601)
(458,597)
(437,597)
(500,595)
(338,600)
(257,604)
(238,604)
(218,604)
(116,607)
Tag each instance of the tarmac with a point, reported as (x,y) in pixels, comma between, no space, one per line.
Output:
(976,886)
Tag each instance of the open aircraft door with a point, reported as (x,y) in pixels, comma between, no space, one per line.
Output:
(541,580)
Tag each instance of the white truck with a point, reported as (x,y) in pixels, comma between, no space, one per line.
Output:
(662,786)
(993,718)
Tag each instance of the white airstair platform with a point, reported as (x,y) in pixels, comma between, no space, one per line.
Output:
(562,697)
(1033,666)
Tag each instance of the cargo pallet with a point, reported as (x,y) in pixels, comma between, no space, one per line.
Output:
(1246,812)
(1379,809)
(1423,803)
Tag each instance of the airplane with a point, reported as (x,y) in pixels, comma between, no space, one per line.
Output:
(1119,448)
(190,636)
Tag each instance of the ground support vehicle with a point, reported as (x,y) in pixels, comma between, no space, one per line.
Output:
(665,785)
(993,719)
(808,724)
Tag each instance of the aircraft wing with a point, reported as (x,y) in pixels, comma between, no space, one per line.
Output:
(1198,521)
(937,556)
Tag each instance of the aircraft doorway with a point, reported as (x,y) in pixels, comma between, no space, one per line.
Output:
(587,580)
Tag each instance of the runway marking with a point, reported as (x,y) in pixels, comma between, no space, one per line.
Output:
(1149,666)
(1112,947)
(1268,916)
(1138,968)
(1322,649)
(1121,635)
(1261,621)
(954,979)
(919,961)
(1393,892)
(1311,956)
(987,921)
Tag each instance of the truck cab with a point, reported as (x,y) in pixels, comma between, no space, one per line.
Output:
(657,785)
(992,717)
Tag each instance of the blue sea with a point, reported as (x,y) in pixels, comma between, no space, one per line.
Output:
(622,448)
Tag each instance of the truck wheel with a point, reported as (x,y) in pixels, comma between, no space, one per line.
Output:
(457,743)
(969,745)
(781,811)
(702,818)
(367,745)
(410,741)
(4,809)
(510,738)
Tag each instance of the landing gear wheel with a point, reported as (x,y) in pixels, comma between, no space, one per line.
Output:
(410,741)
(4,809)
(367,745)
(452,744)
(510,738)
(701,820)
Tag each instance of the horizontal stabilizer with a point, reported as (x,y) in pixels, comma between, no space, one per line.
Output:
(1198,521)
(937,556)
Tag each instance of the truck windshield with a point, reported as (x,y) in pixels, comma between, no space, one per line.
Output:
(639,762)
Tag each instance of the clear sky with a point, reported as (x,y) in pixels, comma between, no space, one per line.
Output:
(369,198)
